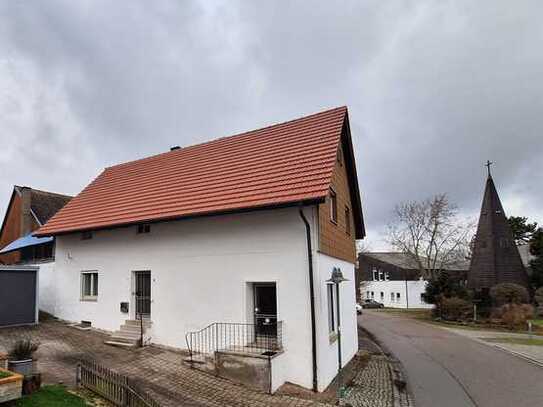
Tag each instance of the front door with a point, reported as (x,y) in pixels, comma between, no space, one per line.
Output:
(265,309)
(142,293)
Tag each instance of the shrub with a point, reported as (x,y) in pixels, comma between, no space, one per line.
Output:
(455,309)
(539,296)
(509,293)
(23,349)
(514,315)
(446,284)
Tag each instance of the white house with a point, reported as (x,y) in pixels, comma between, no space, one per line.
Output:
(241,232)
(394,280)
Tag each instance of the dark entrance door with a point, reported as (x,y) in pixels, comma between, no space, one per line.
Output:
(265,309)
(143,293)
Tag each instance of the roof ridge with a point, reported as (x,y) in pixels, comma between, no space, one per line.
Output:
(43,191)
(232,136)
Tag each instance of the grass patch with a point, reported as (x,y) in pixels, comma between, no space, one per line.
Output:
(51,396)
(3,374)
(537,322)
(517,341)
(417,313)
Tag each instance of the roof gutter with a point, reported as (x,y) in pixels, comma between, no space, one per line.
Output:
(311,300)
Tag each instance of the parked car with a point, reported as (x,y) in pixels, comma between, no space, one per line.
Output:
(372,304)
(358,309)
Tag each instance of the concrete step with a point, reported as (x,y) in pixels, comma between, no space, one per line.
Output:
(120,344)
(135,322)
(132,328)
(127,334)
(120,336)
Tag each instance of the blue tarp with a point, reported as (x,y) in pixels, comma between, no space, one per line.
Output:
(25,241)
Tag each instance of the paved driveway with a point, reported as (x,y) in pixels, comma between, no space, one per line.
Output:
(448,370)
(159,371)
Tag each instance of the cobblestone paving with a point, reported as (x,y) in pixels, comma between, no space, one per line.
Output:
(372,386)
(160,372)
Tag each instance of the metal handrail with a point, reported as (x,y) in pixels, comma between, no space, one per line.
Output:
(257,339)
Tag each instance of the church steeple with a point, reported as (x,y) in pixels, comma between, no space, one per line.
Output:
(495,257)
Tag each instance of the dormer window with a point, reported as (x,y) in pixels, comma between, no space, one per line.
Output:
(143,228)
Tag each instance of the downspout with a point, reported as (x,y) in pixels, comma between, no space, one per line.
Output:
(311,300)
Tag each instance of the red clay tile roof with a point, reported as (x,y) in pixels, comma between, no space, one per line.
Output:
(282,164)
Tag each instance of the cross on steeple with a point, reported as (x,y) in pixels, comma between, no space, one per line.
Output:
(487,165)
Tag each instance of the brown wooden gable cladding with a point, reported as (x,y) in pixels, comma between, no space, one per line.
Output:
(11,228)
(334,239)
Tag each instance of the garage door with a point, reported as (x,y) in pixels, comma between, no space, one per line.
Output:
(17,296)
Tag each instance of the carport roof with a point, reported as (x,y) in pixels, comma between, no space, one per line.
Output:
(25,241)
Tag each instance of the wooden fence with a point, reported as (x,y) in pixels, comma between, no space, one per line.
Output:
(112,386)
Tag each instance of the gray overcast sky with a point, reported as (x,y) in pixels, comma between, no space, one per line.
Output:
(434,88)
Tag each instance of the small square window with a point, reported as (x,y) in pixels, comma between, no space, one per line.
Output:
(144,228)
(392,297)
(86,235)
(333,206)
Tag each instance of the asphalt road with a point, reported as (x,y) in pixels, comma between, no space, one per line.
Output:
(447,370)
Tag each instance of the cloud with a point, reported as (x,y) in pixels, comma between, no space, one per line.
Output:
(434,89)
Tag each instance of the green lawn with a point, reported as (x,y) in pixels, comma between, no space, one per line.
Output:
(51,396)
(517,341)
(538,322)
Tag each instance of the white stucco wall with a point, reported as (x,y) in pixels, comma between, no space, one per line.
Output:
(327,349)
(47,286)
(199,271)
(414,290)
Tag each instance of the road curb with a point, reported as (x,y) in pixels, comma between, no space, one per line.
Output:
(514,353)
(520,355)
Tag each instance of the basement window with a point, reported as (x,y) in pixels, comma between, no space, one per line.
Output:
(333,206)
(86,235)
(89,286)
(143,228)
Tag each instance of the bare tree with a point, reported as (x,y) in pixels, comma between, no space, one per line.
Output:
(432,233)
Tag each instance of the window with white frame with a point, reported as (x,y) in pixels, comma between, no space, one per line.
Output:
(332,311)
(375,274)
(397,297)
(372,295)
(422,299)
(382,296)
(333,206)
(381,275)
(89,285)
(387,276)
(392,297)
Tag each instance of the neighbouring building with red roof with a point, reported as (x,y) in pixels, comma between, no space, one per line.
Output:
(224,249)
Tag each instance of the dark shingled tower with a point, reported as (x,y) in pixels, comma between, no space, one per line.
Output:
(496,258)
